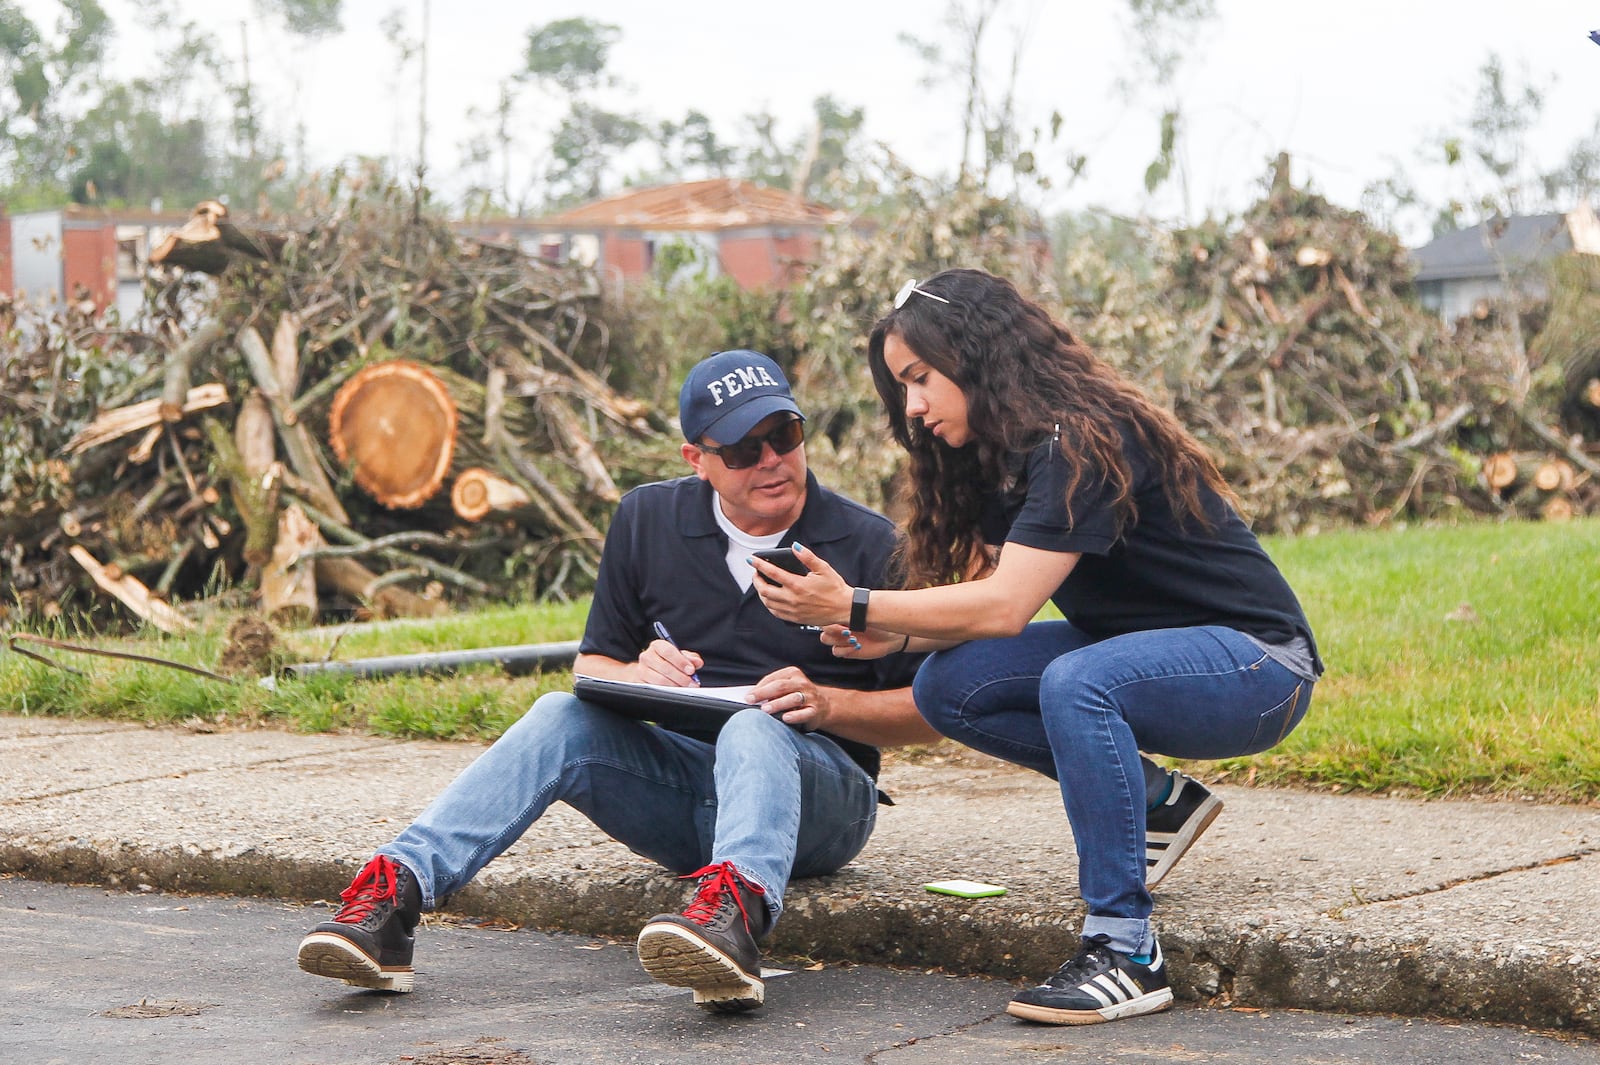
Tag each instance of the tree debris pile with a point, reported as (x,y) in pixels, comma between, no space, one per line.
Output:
(1289,340)
(367,411)
(1299,354)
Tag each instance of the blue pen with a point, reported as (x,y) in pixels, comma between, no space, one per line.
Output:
(661,631)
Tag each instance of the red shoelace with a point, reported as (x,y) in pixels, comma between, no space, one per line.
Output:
(374,884)
(719,880)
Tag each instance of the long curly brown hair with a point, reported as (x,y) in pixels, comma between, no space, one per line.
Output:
(1023,375)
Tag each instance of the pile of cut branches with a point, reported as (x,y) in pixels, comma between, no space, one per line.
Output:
(1290,340)
(1299,353)
(362,412)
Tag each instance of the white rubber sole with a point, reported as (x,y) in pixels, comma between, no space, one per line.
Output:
(673,955)
(322,954)
(1154,1002)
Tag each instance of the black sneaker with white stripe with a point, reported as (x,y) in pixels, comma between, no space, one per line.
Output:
(1173,826)
(1098,984)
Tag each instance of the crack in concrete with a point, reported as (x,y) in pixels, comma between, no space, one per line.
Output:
(1475,878)
(64,792)
(918,1040)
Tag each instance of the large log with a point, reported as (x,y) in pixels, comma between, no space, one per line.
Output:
(1554,475)
(394,425)
(1501,470)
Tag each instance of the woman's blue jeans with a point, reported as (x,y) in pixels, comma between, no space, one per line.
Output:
(1079,710)
(773,801)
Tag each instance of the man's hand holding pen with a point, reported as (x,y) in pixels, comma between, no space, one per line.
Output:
(663,662)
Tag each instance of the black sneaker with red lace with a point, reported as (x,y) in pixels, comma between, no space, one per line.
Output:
(369,941)
(711,946)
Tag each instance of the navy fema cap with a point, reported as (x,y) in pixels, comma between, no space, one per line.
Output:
(727,394)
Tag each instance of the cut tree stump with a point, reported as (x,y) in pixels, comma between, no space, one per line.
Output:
(477,493)
(1554,475)
(1500,470)
(394,425)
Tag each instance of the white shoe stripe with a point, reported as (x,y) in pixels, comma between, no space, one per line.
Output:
(1133,990)
(1113,987)
(1098,995)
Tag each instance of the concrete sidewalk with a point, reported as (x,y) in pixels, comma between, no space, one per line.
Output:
(1483,910)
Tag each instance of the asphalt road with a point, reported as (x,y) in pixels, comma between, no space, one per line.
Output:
(94,977)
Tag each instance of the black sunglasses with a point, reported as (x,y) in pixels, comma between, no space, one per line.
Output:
(747,452)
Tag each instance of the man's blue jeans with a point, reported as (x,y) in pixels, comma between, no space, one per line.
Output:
(773,801)
(1080,711)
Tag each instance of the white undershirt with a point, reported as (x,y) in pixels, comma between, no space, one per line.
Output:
(741,545)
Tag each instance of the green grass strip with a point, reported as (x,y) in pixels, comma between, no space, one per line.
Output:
(1461,660)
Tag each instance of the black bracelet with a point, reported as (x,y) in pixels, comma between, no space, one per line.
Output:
(904,644)
(858,609)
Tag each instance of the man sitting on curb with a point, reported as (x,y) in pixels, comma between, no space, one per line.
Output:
(781,791)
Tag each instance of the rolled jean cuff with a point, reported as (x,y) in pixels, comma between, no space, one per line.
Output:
(1129,935)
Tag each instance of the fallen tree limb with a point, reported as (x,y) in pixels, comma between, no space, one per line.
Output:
(342,532)
(1555,440)
(121,421)
(175,390)
(297,443)
(288,582)
(132,593)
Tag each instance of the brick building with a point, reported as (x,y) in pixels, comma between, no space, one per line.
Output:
(757,235)
(47,257)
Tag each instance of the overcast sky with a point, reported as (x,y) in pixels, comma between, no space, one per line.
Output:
(1351,89)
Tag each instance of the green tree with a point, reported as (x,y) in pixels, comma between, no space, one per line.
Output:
(996,147)
(1577,178)
(42,81)
(1163,32)
(132,154)
(567,59)
(691,148)
(570,54)
(583,148)
(1484,166)
(308,18)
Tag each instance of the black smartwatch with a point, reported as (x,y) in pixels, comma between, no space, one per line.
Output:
(858,609)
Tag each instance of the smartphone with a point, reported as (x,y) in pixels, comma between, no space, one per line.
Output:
(783,558)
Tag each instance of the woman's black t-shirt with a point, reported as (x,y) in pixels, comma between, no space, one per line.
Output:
(1156,574)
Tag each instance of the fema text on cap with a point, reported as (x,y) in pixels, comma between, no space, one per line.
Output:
(737,381)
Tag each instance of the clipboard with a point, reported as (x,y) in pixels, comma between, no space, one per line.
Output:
(700,709)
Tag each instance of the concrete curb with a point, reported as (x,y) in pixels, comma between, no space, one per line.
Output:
(1482,911)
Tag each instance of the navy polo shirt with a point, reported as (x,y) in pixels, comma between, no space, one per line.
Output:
(665,560)
(1153,574)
